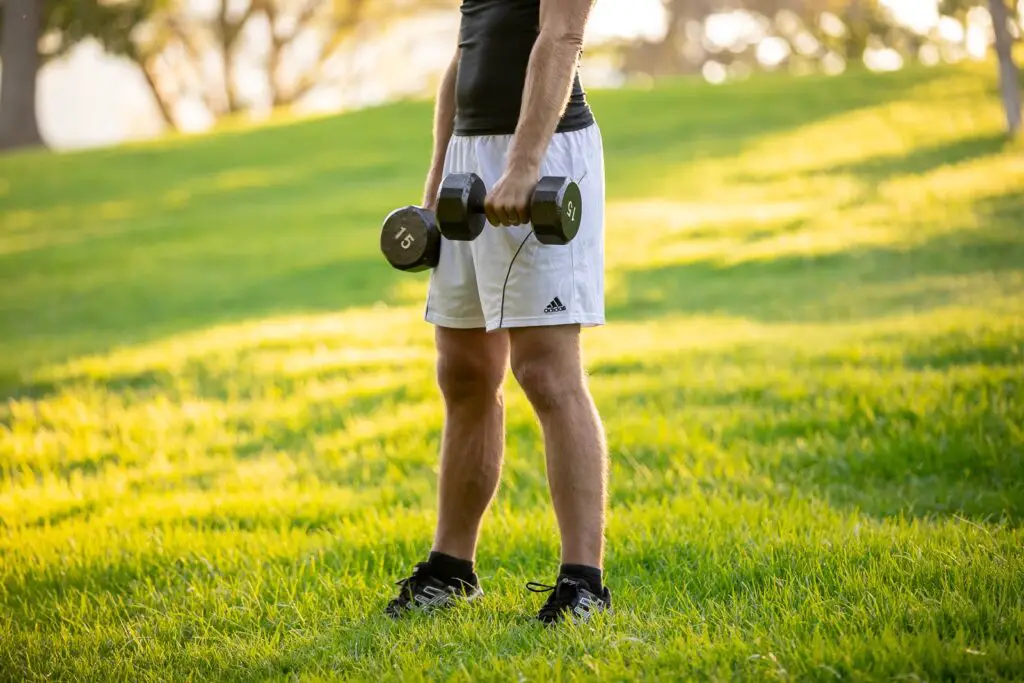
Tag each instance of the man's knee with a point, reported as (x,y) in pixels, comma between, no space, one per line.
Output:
(548,370)
(470,369)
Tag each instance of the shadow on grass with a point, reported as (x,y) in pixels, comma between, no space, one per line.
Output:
(860,283)
(683,124)
(137,309)
(921,160)
(924,159)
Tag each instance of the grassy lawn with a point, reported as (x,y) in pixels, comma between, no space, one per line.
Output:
(219,425)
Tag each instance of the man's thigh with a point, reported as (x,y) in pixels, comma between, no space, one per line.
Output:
(547,363)
(556,347)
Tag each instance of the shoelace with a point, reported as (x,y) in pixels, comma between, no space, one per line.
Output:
(559,598)
(409,583)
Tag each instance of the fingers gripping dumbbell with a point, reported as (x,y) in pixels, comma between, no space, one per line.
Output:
(411,236)
(555,209)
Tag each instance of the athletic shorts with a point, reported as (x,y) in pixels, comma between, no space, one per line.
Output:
(506,277)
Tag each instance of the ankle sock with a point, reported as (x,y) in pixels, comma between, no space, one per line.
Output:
(450,568)
(592,575)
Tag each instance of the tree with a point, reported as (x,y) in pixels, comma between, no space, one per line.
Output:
(19,36)
(684,49)
(1008,74)
(1002,18)
(178,45)
(33,32)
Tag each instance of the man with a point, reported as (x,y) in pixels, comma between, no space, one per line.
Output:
(511,109)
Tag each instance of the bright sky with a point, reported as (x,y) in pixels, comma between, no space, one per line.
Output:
(71,115)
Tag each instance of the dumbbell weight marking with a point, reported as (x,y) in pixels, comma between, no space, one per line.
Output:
(410,239)
(557,210)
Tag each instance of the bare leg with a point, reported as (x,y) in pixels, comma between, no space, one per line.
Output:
(470,371)
(546,362)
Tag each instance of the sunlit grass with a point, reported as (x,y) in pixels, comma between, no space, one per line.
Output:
(219,426)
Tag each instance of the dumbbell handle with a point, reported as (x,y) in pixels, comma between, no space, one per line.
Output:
(461,208)
(475,190)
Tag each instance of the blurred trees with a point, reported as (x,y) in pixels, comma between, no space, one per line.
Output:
(221,57)
(35,31)
(812,30)
(282,49)
(959,8)
(724,39)
(187,52)
(798,34)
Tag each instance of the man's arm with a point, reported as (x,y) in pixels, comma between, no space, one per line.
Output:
(444,124)
(549,79)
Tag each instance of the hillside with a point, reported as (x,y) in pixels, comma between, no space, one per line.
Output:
(219,426)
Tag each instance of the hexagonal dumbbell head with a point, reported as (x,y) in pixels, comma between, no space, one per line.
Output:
(460,206)
(410,240)
(557,210)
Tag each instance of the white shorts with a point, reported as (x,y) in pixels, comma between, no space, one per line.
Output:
(506,277)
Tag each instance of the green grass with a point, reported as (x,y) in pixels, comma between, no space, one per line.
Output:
(219,426)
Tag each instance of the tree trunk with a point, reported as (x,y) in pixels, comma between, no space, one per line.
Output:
(1007,69)
(19,52)
(162,104)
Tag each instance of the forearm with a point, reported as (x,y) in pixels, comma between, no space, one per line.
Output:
(549,78)
(444,125)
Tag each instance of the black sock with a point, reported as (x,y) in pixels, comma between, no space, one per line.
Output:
(448,568)
(592,575)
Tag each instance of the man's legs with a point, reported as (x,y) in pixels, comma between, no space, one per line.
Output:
(540,295)
(470,371)
(546,361)
(547,364)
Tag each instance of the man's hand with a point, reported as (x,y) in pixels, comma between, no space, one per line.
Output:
(508,202)
(431,187)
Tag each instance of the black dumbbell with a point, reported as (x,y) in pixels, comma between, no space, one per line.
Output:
(555,208)
(410,239)
(411,236)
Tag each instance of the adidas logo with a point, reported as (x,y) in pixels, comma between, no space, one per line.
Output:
(556,306)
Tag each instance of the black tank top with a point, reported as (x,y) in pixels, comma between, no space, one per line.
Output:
(496,37)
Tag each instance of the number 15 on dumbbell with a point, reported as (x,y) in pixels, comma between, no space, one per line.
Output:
(411,237)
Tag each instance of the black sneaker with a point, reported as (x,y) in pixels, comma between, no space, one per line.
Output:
(423,591)
(570,598)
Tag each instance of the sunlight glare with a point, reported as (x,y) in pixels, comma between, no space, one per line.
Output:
(772,51)
(714,72)
(632,19)
(919,15)
(950,30)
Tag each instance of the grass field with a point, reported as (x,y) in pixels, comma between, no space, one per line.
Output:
(219,425)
